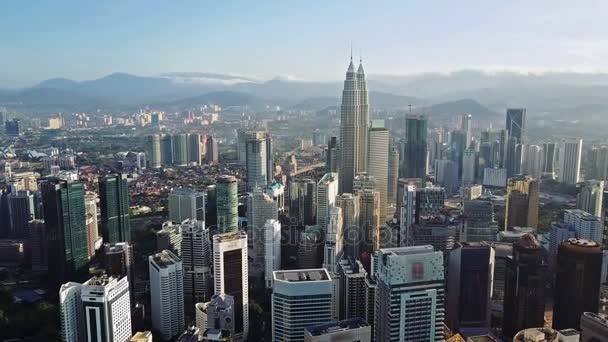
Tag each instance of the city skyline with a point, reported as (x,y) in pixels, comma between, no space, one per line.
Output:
(179,38)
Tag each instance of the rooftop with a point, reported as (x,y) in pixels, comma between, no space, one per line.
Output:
(407,250)
(230,236)
(307,275)
(334,327)
(101,280)
(165,258)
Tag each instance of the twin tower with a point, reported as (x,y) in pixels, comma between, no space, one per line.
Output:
(354,115)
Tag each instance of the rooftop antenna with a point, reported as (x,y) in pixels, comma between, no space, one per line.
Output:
(351,50)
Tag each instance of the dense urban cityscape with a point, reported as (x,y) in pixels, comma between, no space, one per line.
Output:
(129,213)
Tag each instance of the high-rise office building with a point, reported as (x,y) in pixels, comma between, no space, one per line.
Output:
(38,245)
(167,293)
(407,213)
(71,313)
(90,204)
(469,285)
(525,279)
(587,226)
(169,237)
(155,150)
(118,260)
(303,201)
(256,159)
(21,210)
(522,200)
(327,190)
(363,118)
(467,129)
(577,282)
(331,155)
(272,249)
(469,160)
(479,222)
(141,161)
(351,132)
(570,162)
(352,288)
(269,159)
(597,167)
(166,149)
(213,152)
(196,262)
(194,148)
(350,205)
(65,219)
(549,159)
(310,247)
(410,295)
(334,239)
(107,309)
(590,197)
(378,161)
(227,203)
(180,149)
(446,175)
(532,160)
(429,202)
(369,221)
(185,204)
(515,129)
(260,208)
(393,175)
(231,275)
(114,204)
(300,298)
(414,150)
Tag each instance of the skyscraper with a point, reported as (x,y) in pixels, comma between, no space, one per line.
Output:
(410,295)
(468,166)
(231,275)
(118,260)
(38,245)
(522,202)
(570,161)
(515,128)
(331,156)
(524,301)
(71,313)
(260,208)
(212,156)
(350,121)
(256,159)
(227,203)
(186,204)
(469,284)
(20,210)
(577,283)
(532,163)
(413,158)
(65,219)
(597,167)
(479,221)
(590,197)
(194,148)
(363,118)
(303,201)
(349,204)
(407,213)
(167,293)
(166,148)
(107,309)
(587,226)
(196,262)
(272,249)
(269,159)
(333,239)
(327,190)
(393,174)
(549,159)
(180,149)
(369,221)
(466,127)
(114,203)
(378,160)
(300,298)
(351,298)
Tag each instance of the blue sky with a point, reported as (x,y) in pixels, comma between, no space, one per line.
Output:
(306,40)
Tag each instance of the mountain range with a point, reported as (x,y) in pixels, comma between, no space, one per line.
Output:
(480,93)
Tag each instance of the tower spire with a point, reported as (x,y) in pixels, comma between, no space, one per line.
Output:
(351,50)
